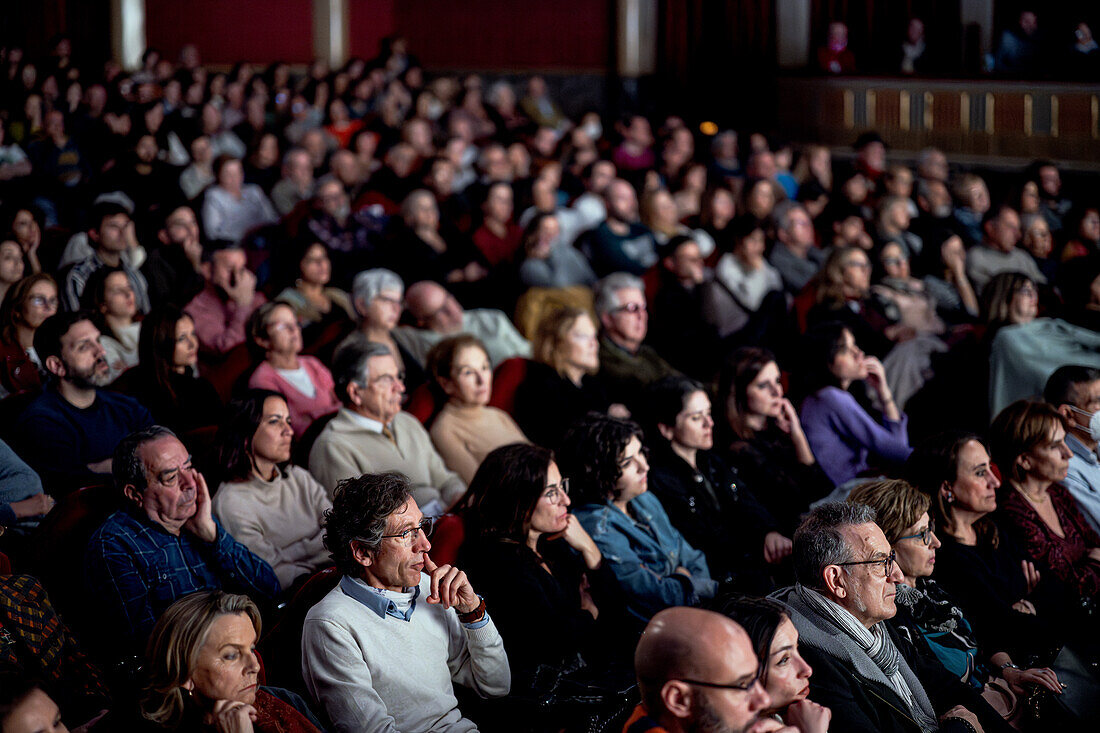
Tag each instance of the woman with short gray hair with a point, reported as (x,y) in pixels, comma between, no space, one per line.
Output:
(378,297)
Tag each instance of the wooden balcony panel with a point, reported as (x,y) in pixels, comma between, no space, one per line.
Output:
(1075,115)
(1008,113)
(946,110)
(887,110)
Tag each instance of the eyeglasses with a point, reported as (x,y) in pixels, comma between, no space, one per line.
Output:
(859,264)
(887,563)
(408,537)
(41,301)
(925,534)
(632,308)
(556,493)
(743,688)
(387,380)
(894,261)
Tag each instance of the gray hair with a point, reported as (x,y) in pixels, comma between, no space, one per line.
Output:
(410,202)
(498,87)
(369,284)
(782,213)
(607,290)
(818,541)
(127,467)
(361,509)
(349,363)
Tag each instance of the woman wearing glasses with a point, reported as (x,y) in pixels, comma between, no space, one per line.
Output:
(927,611)
(654,564)
(25,306)
(552,594)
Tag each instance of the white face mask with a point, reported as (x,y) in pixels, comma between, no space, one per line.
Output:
(1094,422)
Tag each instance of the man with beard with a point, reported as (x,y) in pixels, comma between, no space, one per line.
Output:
(621,243)
(70,431)
(697,672)
(163,545)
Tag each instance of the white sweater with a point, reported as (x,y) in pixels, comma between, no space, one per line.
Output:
(375,673)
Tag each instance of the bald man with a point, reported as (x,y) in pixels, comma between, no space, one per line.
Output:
(697,672)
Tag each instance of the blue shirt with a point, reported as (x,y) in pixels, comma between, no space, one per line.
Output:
(378,600)
(1083,480)
(136,569)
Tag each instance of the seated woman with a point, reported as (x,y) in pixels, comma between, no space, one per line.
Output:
(977,563)
(232,208)
(25,707)
(554,598)
(378,297)
(166,379)
(423,254)
(270,506)
(307,383)
(467,429)
(765,440)
(11,265)
(1029,444)
(560,386)
(26,304)
(202,671)
(704,497)
(784,674)
(842,292)
(316,304)
(606,464)
(925,610)
(110,298)
(844,437)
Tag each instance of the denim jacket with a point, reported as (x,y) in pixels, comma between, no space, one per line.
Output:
(644,551)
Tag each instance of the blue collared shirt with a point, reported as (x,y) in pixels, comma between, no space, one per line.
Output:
(1083,480)
(379,601)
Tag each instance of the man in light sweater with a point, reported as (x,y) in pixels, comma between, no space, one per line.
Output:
(382,650)
(998,251)
(370,433)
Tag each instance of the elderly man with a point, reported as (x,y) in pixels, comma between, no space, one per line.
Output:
(227,301)
(370,433)
(1075,391)
(998,252)
(376,655)
(70,431)
(296,185)
(846,582)
(795,254)
(627,366)
(697,672)
(438,315)
(621,243)
(164,544)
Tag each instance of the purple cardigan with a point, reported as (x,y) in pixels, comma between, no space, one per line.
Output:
(843,436)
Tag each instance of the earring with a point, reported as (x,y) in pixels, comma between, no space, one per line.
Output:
(950,497)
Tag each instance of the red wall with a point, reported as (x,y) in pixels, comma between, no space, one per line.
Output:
(506,34)
(369,21)
(233,30)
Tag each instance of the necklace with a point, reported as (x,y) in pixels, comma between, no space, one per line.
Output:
(1036,502)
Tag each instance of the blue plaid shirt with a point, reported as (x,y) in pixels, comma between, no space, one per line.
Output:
(136,569)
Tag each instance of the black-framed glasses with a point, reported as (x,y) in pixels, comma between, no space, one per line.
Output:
(925,534)
(887,563)
(427,525)
(556,493)
(743,688)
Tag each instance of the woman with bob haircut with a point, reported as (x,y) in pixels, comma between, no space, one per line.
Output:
(270,506)
(560,385)
(784,674)
(605,461)
(1029,444)
(765,439)
(202,671)
(26,305)
(467,429)
(552,594)
(927,611)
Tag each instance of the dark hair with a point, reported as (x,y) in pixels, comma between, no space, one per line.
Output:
(742,368)
(504,491)
(820,347)
(233,442)
(14,690)
(127,467)
(349,363)
(288,259)
(361,508)
(665,399)
(996,299)
(1061,387)
(157,346)
(995,212)
(95,295)
(11,308)
(589,455)
(934,462)
(256,328)
(47,337)
(818,541)
(759,617)
(441,357)
(1019,428)
(220,162)
(103,210)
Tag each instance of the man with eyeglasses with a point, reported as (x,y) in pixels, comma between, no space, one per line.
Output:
(382,650)
(697,672)
(1075,391)
(370,433)
(846,583)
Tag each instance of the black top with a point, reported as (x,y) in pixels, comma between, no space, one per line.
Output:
(195,403)
(171,276)
(548,403)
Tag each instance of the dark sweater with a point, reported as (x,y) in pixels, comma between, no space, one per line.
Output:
(548,403)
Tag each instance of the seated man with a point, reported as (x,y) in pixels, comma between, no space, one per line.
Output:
(439,315)
(697,672)
(110,235)
(22,501)
(70,431)
(370,433)
(163,545)
(376,656)
(998,252)
(627,366)
(349,235)
(1075,391)
(224,306)
(174,269)
(846,582)
(621,243)
(794,255)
